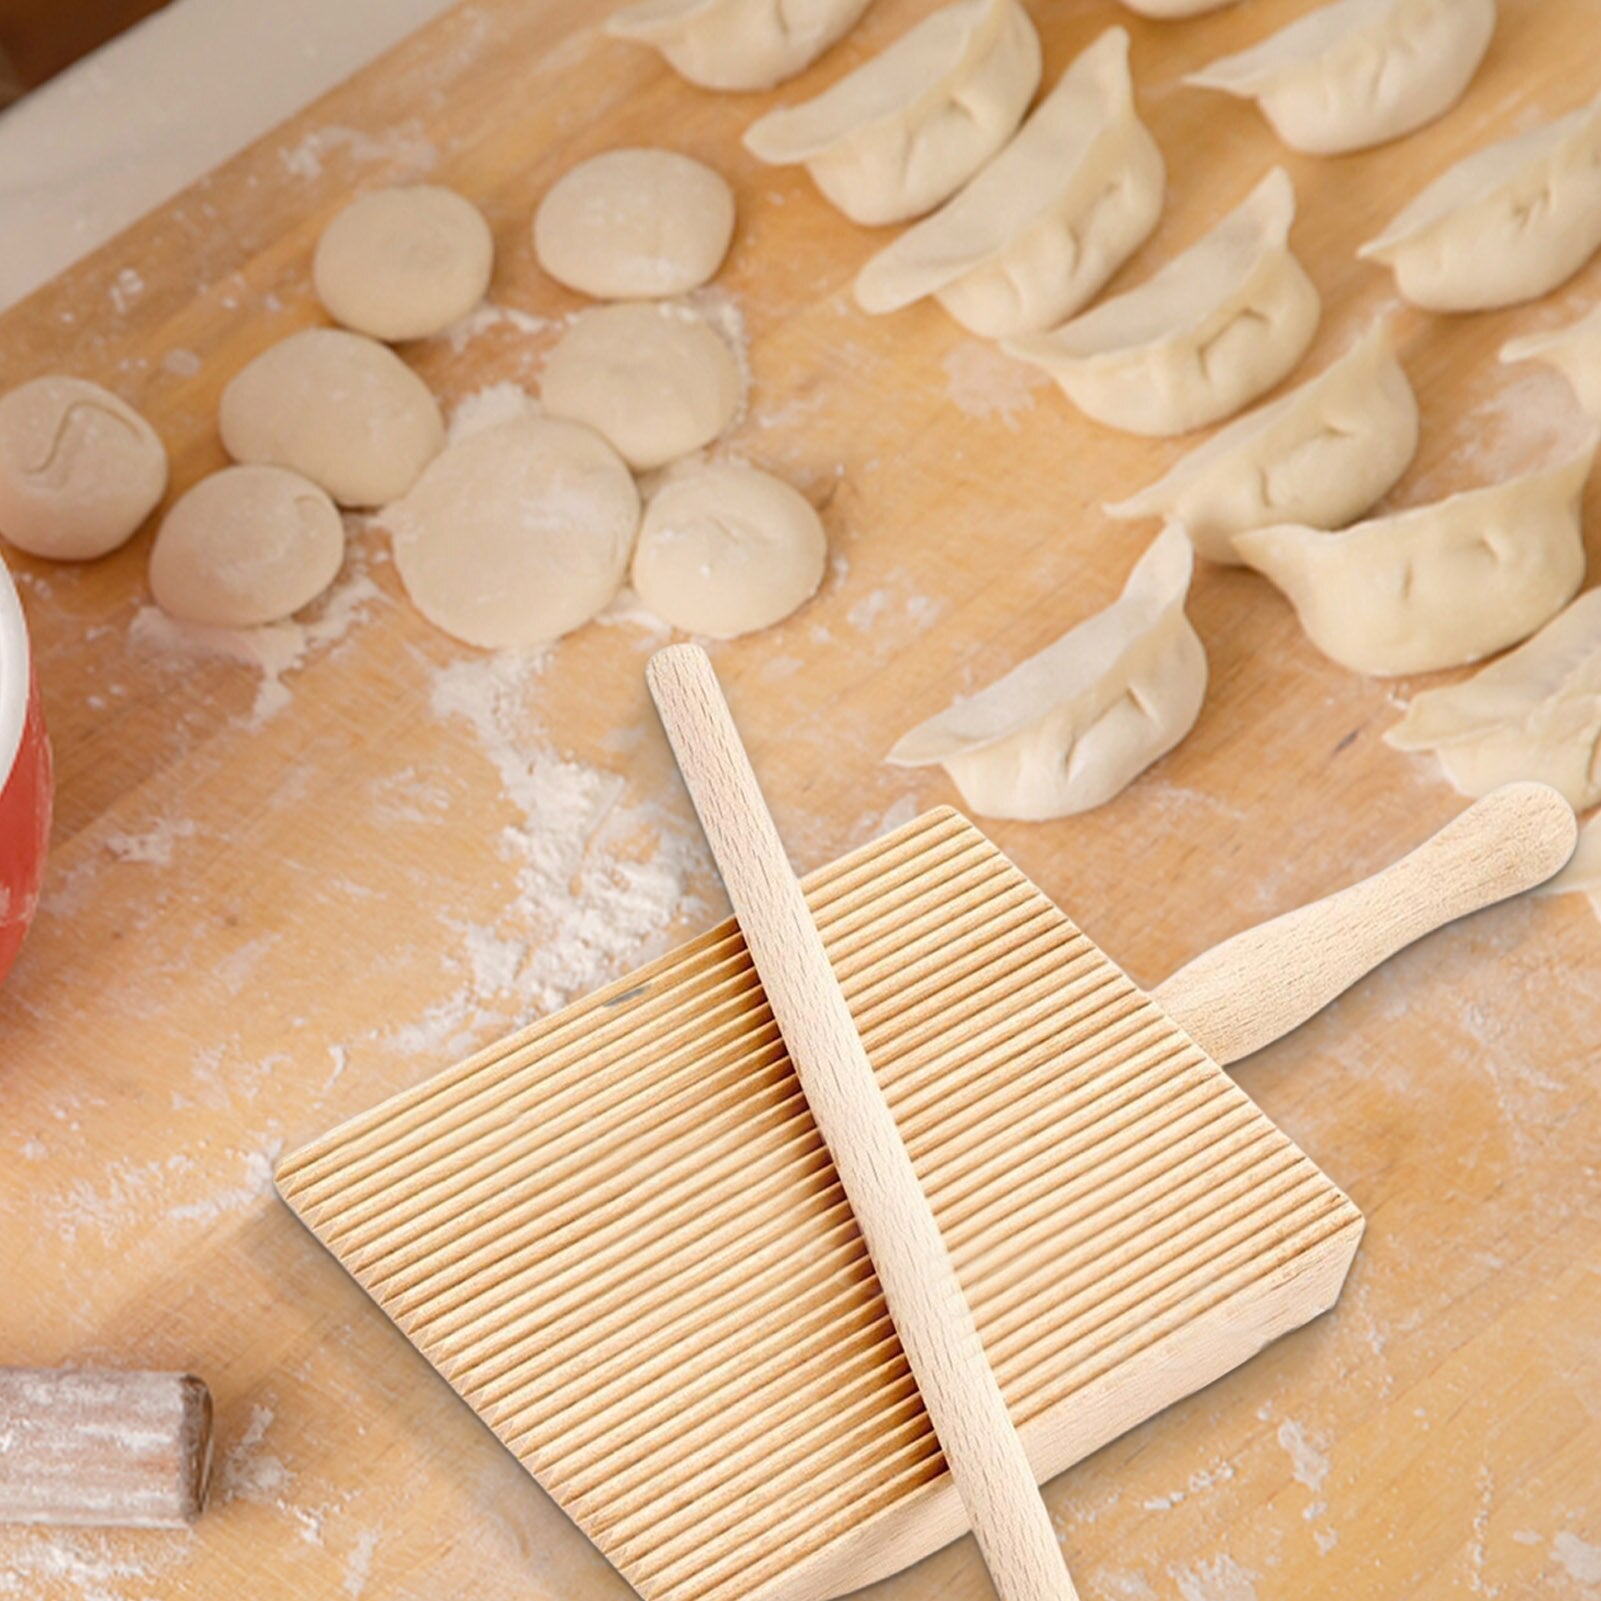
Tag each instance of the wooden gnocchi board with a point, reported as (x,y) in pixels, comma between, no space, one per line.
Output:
(284,888)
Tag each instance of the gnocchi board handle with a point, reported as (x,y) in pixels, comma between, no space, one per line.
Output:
(931,1316)
(103,1449)
(1248,991)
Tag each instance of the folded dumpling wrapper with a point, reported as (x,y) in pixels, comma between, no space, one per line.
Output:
(1071,727)
(1217,326)
(1534,714)
(906,130)
(1039,231)
(1574,350)
(1359,72)
(1436,586)
(737,44)
(1509,223)
(1322,455)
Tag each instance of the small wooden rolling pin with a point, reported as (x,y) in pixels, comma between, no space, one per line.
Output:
(129,1450)
(935,1324)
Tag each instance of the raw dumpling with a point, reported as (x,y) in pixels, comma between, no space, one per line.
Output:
(653,379)
(906,130)
(337,408)
(1575,352)
(1322,455)
(1437,586)
(1043,226)
(1215,328)
(635,225)
(1071,727)
(1510,223)
(1359,72)
(728,549)
(246,546)
(737,44)
(80,469)
(517,534)
(404,263)
(1534,714)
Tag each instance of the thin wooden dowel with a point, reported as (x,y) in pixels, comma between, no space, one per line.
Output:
(936,1328)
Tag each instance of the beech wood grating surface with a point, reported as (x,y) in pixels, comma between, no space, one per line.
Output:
(619,1237)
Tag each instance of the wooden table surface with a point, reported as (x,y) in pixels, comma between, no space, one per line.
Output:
(292,877)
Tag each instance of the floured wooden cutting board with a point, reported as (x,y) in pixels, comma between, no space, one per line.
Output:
(281,893)
(620,1238)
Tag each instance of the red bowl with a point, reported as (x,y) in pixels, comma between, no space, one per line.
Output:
(24,778)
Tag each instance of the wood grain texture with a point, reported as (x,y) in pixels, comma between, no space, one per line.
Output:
(1256,987)
(928,1311)
(259,923)
(620,1238)
(102,1448)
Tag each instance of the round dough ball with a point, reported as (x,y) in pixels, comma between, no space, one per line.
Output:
(79,469)
(656,381)
(635,225)
(339,408)
(247,545)
(404,263)
(518,534)
(727,550)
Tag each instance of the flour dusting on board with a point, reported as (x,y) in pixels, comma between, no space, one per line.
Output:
(1581,1559)
(984,382)
(600,882)
(273,650)
(1221,1579)
(82,1565)
(489,407)
(405,148)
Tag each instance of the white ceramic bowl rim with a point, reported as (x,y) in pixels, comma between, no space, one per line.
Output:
(14,674)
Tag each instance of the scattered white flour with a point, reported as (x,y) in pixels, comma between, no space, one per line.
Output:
(154,846)
(1581,1559)
(488,408)
(984,382)
(627,610)
(273,650)
(249,1473)
(77,1563)
(1200,1481)
(259,1166)
(405,147)
(868,610)
(599,882)
(1130,1586)
(127,287)
(1309,1465)
(358,1565)
(1529,421)
(1326,1539)
(483,319)
(1221,1579)
(180,362)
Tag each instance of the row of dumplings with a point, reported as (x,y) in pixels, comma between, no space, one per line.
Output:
(1420,590)
(1346,76)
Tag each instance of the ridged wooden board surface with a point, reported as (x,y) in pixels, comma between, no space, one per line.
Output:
(274,903)
(620,1238)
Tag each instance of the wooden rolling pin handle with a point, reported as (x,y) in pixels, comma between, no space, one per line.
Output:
(986,1458)
(1250,990)
(110,1450)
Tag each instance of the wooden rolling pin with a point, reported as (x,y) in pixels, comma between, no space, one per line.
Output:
(1248,991)
(986,1459)
(129,1450)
